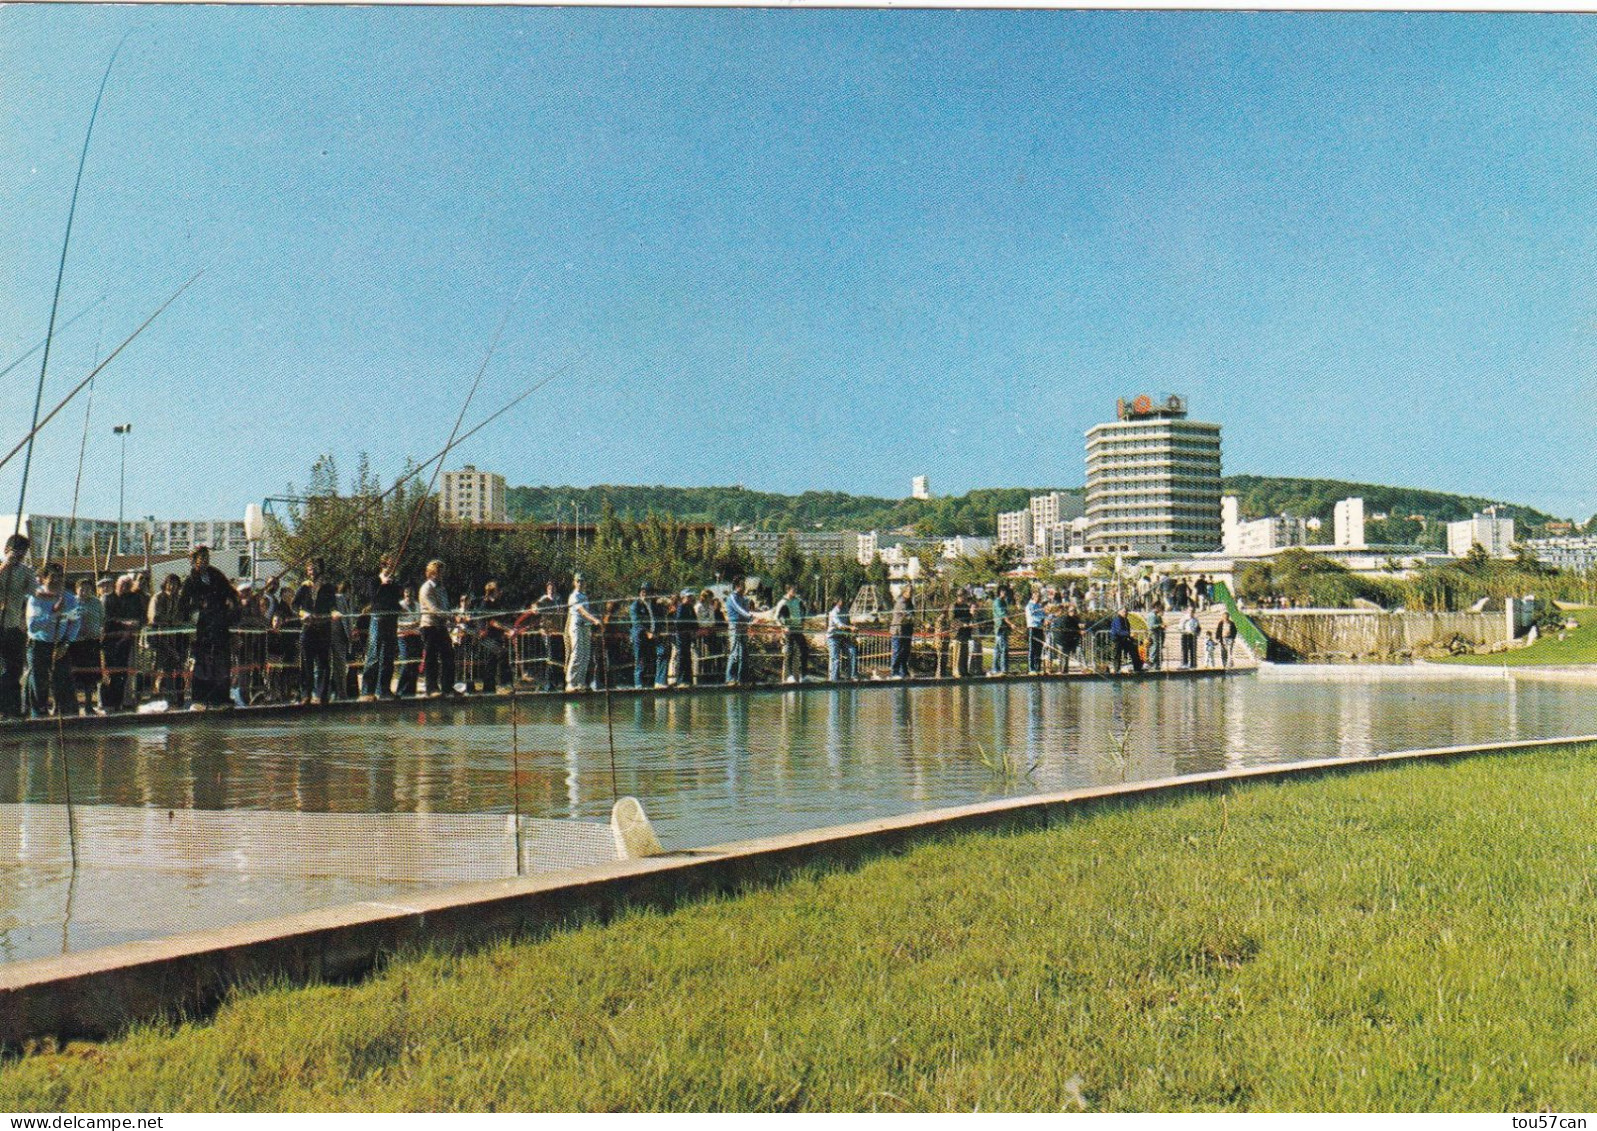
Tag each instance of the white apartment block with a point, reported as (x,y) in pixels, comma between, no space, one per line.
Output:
(920,487)
(1349,523)
(1492,534)
(1153,481)
(473,496)
(1015,528)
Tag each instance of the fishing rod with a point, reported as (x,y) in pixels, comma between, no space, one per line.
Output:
(443,453)
(37,346)
(78,388)
(460,418)
(83,449)
(60,274)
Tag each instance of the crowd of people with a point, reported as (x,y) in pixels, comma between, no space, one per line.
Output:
(110,645)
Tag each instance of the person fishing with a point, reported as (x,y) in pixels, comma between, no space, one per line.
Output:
(17,583)
(52,627)
(316,602)
(210,599)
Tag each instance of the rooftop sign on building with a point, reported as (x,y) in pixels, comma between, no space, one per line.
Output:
(1142,405)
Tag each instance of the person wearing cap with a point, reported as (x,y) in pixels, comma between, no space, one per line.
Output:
(641,618)
(17,583)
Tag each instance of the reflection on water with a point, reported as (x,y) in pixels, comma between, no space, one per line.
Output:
(709,769)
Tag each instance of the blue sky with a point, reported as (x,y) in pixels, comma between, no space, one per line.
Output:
(802,249)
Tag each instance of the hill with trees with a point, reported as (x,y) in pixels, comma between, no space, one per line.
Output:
(976,512)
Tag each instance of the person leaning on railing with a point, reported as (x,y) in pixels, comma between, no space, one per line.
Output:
(841,650)
(124,617)
(169,640)
(85,654)
(53,621)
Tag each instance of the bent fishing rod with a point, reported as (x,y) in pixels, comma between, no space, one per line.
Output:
(443,453)
(61,270)
(454,432)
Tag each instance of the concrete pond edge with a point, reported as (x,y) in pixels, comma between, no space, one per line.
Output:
(97,993)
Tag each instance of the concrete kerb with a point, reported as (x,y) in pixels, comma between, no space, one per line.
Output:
(96,993)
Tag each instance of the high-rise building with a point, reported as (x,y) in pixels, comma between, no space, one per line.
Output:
(920,487)
(473,496)
(1348,516)
(1153,481)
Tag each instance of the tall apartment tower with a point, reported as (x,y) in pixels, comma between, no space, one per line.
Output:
(1153,481)
(473,496)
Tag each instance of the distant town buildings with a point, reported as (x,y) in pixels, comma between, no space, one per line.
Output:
(765,544)
(1492,534)
(1258,537)
(1576,552)
(920,487)
(1052,523)
(64,535)
(473,496)
(1153,481)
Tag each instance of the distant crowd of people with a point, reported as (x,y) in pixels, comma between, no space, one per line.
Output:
(209,642)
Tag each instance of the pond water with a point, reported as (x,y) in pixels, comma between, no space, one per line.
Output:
(179,827)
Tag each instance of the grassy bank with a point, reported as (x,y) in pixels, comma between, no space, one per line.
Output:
(1418,937)
(1568,646)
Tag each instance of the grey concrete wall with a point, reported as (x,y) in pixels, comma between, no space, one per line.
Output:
(97,993)
(1336,633)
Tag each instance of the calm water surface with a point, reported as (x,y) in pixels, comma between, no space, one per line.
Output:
(191,826)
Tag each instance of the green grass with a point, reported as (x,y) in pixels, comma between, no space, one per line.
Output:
(1575,646)
(1416,937)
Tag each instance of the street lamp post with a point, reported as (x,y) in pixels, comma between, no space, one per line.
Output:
(122,490)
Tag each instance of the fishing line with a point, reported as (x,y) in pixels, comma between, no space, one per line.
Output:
(83,448)
(37,346)
(78,388)
(460,418)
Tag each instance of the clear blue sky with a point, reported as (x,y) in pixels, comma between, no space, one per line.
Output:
(803,249)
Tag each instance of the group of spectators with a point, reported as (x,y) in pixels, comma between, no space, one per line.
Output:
(218,643)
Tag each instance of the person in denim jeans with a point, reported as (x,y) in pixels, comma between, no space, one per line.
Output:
(1001,631)
(843,656)
(738,616)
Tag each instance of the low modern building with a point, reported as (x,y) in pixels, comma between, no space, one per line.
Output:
(64,534)
(765,544)
(1492,534)
(1153,481)
(1577,552)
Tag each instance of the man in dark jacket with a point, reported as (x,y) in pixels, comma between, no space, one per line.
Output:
(316,602)
(210,599)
